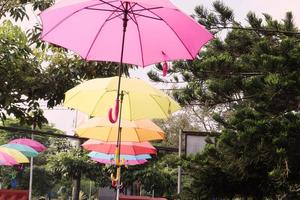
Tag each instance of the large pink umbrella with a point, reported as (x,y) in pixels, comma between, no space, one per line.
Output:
(129,148)
(139,32)
(156,31)
(7,160)
(29,142)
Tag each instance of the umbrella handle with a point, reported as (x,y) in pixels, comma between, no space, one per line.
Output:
(110,115)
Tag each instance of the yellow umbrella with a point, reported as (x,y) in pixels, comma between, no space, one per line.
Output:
(140,101)
(131,131)
(17,155)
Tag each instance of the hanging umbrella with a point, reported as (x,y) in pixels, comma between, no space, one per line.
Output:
(155,31)
(37,146)
(140,99)
(132,131)
(136,94)
(17,155)
(7,160)
(95,154)
(140,32)
(126,162)
(26,150)
(129,148)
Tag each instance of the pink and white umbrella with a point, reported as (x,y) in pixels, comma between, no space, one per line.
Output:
(29,142)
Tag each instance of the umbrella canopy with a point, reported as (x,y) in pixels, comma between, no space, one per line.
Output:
(156,31)
(29,142)
(132,131)
(26,150)
(95,154)
(7,160)
(95,97)
(15,154)
(127,162)
(129,148)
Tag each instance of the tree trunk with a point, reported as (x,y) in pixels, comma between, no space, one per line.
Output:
(76,187)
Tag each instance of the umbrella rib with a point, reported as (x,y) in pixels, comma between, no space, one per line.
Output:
(94,40)
(159,105)
(99,9)
(138,11)
(129,100)
(146,16)
(141,45)
(115,17)
(172,31)
(144,9)
(138,135)
(109,3)
(67,17)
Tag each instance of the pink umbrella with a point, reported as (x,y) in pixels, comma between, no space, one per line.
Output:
(139,32)
(112,162)
(29,142)
(129,148)
(7,160)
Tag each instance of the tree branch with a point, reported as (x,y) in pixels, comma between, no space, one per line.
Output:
(255,29)
(2,7)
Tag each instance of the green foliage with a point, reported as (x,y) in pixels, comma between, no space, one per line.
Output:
(158,175)
(16,8)
(251,79)
(31,70)
(75,163)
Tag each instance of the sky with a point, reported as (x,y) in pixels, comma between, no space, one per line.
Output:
(66,120)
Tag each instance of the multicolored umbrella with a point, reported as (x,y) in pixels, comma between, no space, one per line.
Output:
(131,131)
(26,150)
(15,154)
(129,148)
(95,154)
(126,162)
(7,160)
(29,142)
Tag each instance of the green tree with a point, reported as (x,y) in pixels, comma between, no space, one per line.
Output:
(250,79)
(160,175)
(75,164)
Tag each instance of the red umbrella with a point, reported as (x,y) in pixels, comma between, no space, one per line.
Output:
(129,148)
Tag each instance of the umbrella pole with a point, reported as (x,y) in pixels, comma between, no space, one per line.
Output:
(31,172)
(119,163)
(125,20)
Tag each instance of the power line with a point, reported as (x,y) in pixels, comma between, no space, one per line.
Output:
(73,137)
